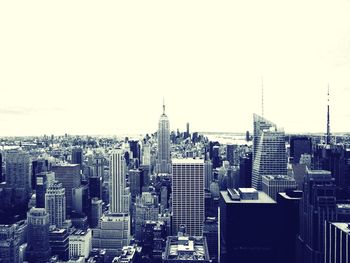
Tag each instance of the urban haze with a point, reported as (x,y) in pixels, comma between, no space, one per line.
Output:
(187,131)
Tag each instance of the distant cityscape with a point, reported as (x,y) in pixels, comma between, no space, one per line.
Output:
(177,196)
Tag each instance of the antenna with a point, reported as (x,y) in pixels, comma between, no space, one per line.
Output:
(262,97)
(163,106)
(328,136)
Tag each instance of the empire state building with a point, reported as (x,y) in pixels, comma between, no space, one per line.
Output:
(163,159)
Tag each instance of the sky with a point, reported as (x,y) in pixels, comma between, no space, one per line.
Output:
(103,67)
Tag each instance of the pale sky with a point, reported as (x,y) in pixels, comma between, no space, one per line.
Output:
(103,67)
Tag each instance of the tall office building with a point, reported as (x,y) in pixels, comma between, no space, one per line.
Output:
(77,156)
(163,164)
(288,203)
(270,156)
(146,208)
(55,204)
(112,234)
(245,171)
(274,184)
(38,166)
(299,145)
(135,149)
(337,242)
(146,154)
(18,171)
(96,212)
(318,205)
(259,124)
(230,153)
(188,195)
(210,232)
(1,176)
(59,243)
(117,182)
(11,238)
(40,189)
(242,239)
(335,158)
(136,182)
(38,248)
(208,173)
(69,176)
(95,186)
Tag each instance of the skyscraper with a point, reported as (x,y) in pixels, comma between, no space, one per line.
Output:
(259,124)
(299,145)
(112,234)
(38,248)
(146,208)
(163,158)
(59,243)
(337,242)
(11,238)
(270,156)
(146,154)
(96,212)
(318,205)
(77,156)
(69,176)
(1,178)
(208,173)
(18,168)
(55,204)
(242,239)
(117,182)
(274,184)
(188,195)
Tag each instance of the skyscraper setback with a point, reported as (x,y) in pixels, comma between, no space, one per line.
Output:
(163,159)
(55,204)
(270,156)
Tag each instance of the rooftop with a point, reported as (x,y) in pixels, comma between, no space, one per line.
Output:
(262,199)
(186,248)
(278,177)
(187,161)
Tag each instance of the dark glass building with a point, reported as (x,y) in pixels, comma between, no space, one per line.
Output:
(249,226)
(245,171)
(299,145)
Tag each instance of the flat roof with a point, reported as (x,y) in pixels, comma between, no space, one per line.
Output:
(263,199)
(187,161)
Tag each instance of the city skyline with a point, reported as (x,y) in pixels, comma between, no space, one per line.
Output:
(112,64)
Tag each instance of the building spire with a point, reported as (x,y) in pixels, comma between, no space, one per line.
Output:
(163,107)
(328,135)
(262,97)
